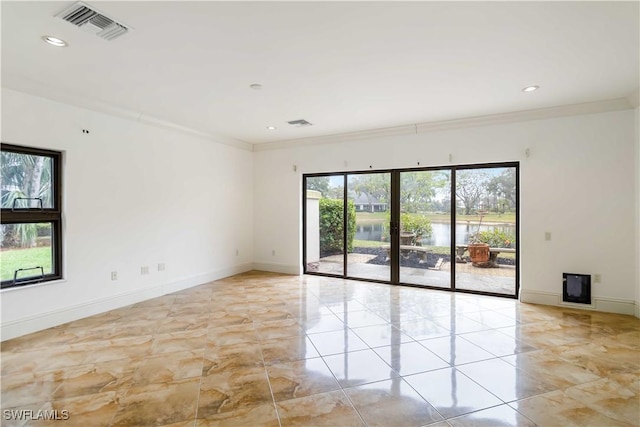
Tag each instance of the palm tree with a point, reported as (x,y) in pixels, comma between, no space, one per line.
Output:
(25,176)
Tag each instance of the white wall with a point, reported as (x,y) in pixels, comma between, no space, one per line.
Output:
(576,184)
(313,226)
(134,195)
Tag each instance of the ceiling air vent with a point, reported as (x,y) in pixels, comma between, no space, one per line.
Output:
(90,20)
(299,123)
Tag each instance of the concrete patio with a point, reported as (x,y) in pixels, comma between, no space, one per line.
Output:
(496,280)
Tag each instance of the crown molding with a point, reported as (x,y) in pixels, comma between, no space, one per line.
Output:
(29,87)
(427,127)
(20,84)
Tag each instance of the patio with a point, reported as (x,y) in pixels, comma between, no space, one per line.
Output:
(499,279)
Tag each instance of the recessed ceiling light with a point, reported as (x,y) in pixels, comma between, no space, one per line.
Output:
(255,86)
(530,88)
(271,128)
(54,41)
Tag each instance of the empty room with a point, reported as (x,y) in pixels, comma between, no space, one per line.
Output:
(320,213)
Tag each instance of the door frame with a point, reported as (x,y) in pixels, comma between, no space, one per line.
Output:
(395,219)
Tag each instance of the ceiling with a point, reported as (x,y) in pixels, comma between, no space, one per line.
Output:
(343,66)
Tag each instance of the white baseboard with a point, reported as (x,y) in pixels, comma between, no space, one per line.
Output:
(609,305)
(27,325)
(277,268)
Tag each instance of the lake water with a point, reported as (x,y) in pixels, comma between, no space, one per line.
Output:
(441,235)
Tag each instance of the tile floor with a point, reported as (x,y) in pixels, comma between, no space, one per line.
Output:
(267,349)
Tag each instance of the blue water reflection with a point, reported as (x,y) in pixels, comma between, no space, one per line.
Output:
(441,235)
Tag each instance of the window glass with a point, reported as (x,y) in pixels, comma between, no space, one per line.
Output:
(30,224)
(26,251)
(26,181)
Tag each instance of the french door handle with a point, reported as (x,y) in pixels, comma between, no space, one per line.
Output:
(393,227)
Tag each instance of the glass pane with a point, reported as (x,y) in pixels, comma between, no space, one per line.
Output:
(368,198)
(325,232)
(26,181)
(425,228)
(26,247)
(486,230)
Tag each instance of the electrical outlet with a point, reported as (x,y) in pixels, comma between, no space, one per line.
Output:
(597,278)
(237,252)
(161,266)
(547,235)
(114,275)
(273,252)
(144,269)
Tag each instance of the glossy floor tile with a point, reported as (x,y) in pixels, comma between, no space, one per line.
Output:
(410,358)
(506,381)
(358,367)
(263,349)
(392,403)
(301,378)
(455,350)
(325,409)
(451,392)
(498,416)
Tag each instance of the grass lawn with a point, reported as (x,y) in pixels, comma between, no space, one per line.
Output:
(368,244)
(13,260)
(509,217)
(367,217)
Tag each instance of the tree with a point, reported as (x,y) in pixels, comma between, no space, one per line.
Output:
(470,187)
(318,183)
(336,193)
(25,176)
(418,189)
(503,187)
(376,185)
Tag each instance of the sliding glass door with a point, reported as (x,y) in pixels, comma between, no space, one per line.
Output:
(486,206)
(425,228)
(445,228)
(324,224)
(369,240)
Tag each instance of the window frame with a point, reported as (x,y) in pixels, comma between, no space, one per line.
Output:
(51,215)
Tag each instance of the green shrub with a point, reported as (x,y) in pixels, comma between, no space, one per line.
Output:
(331,230)
(417,224)
(497,239)
(43,229)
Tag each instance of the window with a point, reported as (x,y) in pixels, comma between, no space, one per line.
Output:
(31,224)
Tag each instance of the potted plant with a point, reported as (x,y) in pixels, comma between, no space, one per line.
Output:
(478,251)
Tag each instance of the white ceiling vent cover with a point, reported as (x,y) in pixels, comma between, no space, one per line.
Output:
(90,20)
